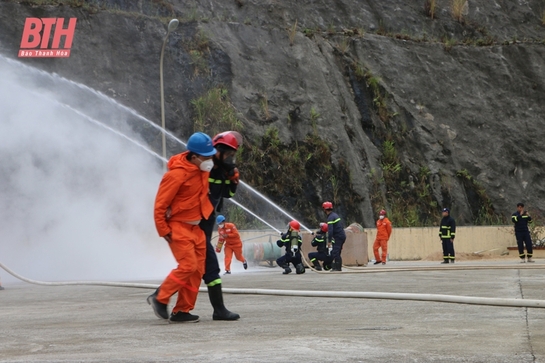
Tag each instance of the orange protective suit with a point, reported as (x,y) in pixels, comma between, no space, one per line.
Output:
(233,244)
(384,230)
(183,189)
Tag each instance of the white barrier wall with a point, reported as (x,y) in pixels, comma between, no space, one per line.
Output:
(418,243)
(412,243)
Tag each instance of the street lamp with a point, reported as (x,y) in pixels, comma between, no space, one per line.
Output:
(172,25)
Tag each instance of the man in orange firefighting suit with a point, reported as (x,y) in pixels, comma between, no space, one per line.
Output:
(384,230)
(229,238)
(184,192)
(291,240)
(223,181)
(323,249)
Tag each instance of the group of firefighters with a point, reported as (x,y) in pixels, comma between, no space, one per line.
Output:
(328,241)
(190,194)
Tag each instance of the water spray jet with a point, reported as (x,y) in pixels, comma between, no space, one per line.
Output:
(100,95)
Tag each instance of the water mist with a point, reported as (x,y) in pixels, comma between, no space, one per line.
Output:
(76,200)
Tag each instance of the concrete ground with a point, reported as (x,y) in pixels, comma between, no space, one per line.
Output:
(112,324)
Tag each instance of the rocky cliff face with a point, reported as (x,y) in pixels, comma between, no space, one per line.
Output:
(370,104)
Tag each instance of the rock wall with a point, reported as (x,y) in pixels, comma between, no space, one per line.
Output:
(462,102)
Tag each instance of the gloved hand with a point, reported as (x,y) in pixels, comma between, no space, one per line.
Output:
(223,236)
(234,175)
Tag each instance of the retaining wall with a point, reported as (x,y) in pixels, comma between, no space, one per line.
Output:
(406,243)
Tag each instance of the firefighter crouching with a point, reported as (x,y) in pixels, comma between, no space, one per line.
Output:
(323,250)
(291,240)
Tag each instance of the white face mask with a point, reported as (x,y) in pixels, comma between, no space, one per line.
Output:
(221,225)
(381,217)
(207,165)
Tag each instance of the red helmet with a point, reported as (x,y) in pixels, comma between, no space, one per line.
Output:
(382,212)
(323,227)
(226,138)
(327,205)
(295,226)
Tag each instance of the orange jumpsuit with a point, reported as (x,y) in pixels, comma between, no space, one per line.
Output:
(183,189)
(384,230)
(233,244)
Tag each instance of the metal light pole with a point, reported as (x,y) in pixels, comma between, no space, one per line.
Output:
(172,25)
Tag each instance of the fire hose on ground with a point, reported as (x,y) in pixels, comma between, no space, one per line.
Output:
(527,303)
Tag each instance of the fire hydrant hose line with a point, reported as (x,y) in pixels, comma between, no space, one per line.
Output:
(432,268)
(331,294)
(68,283)
(396,296)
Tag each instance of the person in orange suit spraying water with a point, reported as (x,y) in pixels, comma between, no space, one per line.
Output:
(384,231)
(183,192)
(230,239)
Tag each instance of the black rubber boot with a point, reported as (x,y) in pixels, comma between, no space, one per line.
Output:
(445,260)
(287,269)
(299,269)
(337,265)
(317,266)
(216,299)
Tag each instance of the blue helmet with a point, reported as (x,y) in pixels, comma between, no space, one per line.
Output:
(201,144)
(220,219)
